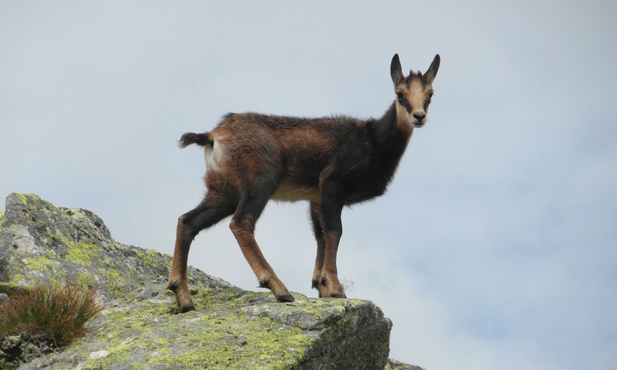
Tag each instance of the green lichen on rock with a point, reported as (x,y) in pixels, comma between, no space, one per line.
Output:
(222,337)
(231,327)
(8,288)
(250,331)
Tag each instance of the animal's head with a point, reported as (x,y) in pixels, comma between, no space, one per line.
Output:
(414,92)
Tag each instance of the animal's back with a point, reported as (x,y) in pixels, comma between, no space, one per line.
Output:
(292,133)
(305,149)
(312,140)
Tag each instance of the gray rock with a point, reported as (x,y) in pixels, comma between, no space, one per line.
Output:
(21,348)
(42,243)
(396,365)
(230,329)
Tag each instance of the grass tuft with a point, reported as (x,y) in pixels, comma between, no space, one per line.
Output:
(57,313)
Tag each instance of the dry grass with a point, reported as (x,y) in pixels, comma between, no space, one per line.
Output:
(56,312)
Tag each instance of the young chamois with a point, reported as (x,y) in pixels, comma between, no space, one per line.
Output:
(331,162)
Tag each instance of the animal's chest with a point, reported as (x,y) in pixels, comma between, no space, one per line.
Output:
(364,188)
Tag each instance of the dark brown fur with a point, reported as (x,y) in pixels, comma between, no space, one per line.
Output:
(332,162)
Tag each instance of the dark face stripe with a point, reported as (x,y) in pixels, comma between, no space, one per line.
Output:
(405,103)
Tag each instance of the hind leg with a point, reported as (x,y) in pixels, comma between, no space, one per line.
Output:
(212,209)
(242,226)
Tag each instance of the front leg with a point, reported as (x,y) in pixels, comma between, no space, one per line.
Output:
(321,244)
(329,284)
(331,208)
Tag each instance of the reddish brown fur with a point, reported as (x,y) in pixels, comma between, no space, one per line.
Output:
(332,162)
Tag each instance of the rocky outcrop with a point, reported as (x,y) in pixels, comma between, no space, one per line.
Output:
(231,328)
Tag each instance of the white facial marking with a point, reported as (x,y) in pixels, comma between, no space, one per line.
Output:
(417,99)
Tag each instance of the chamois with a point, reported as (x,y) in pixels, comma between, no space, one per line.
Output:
(331,162)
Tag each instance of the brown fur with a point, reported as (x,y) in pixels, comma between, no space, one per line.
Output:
(331,162)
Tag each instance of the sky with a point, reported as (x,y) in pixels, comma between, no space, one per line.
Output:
(495,245)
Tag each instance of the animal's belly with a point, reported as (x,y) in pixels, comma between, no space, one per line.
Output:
(287,192)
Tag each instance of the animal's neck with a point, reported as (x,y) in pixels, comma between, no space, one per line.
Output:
(391,139)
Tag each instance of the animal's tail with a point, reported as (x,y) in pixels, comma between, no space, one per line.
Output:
(193,138)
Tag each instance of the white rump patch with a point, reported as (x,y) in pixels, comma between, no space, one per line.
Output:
(213,157)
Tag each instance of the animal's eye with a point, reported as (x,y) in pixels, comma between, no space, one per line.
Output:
(400,95)
(430,95)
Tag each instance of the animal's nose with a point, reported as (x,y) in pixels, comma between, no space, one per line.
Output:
(419,116)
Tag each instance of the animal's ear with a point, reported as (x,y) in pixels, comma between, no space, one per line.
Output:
(395,70)
(431,72)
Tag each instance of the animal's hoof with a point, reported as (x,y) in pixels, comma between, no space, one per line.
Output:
(285,298)
(338,295)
